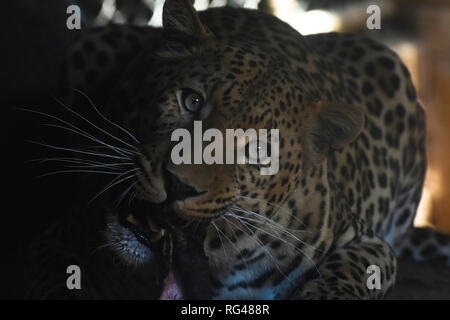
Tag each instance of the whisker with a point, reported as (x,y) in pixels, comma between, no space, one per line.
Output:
(283,240)
(115,170)
(234,247)
(80,165)
(104,118)
(95,126)
(67,159)
(120,151)
(110,166)
(278,207)
(271,223)
(259,242)
(85,162)
(72,128)
(274,226)
(267,219)
(125,192)
(280,238)
(77,150)
(76,171)
(131,198)
(114,182)
(220,239)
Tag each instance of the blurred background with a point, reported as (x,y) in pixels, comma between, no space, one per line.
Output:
(34,36)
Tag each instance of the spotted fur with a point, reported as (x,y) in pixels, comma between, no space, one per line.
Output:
(352,152)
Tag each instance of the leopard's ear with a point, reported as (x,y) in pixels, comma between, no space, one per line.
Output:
(180,17)
(330,126)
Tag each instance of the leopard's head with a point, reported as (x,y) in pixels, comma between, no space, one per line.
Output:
(194,78)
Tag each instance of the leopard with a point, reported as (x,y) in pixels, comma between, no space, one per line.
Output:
(352,155)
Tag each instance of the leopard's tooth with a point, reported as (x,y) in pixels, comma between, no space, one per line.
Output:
(131,219)
(158,235)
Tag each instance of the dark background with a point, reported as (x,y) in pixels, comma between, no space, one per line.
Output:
(31,53)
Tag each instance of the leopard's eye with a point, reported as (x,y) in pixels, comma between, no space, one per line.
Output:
(192,101)
(254,155)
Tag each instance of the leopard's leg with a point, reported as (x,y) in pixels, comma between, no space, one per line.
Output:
(424,244)
(350,272)
(407,241)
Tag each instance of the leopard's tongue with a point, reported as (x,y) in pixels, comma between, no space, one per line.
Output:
(171,289)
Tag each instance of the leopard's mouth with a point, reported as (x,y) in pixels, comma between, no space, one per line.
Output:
(151,222)
(152,225)
(154,233)
(146,222)
(147,233)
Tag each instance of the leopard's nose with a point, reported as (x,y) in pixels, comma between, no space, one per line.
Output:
(199,177)
(150,182)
